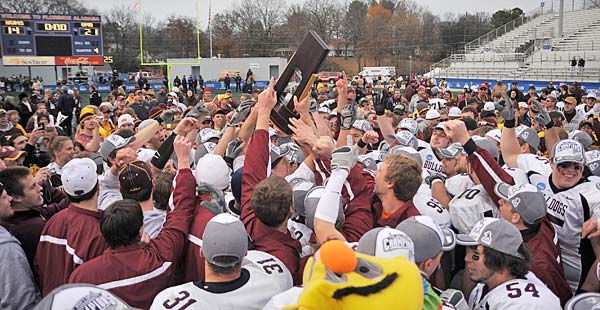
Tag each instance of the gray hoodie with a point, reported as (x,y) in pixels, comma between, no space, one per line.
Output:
(17,288)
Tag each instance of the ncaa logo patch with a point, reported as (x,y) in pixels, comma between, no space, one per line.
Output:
(429,157)
(541,186)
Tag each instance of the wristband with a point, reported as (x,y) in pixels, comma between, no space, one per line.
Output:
(509,123)
(436,180)
(550,125)
(361,144)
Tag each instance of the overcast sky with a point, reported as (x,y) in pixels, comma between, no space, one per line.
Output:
(163,8)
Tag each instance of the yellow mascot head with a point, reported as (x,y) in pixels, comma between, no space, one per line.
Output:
(339,278)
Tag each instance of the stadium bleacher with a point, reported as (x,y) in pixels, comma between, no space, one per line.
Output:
(532,51)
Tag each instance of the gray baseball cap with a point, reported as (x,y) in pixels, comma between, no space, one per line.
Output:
(113,142)
(528,135)
(408,152)
(405,138)
(409,124)
(450,152)
(566,151)
(487,145)
(81,296)
(310,205)
(592,160)
(362,125)
(583,138)
(497,234)
(300,188)
(387,242)
(224,235)
(584,301)
(429,239)
(525,199)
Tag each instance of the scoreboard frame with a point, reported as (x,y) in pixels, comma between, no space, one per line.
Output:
(29,35)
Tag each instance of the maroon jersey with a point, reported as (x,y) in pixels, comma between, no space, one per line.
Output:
(356,193)
(193,262)
(546,261)
(267,239)
(137,273)
(70,238)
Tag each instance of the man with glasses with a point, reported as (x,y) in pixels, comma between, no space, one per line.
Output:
(107,126)
(571,199)
(483,95)
(497,259)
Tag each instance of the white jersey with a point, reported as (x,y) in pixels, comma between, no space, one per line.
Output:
(470,207)
(302,233)
(592,160)
(422,145)
(580,109)
(283,299)
(568,210)
(517,294)
(530,162)
(459,183)
(430,162)
(518,175)
(575,121)
(268,276)
(429,206)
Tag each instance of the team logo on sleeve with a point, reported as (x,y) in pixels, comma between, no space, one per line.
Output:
(541,186)
(429,157)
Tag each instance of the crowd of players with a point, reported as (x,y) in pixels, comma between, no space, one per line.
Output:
(494,196)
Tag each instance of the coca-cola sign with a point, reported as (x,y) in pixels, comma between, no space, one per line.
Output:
(79,60)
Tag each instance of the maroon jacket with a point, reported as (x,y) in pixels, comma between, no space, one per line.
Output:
(356,192)
(545,260)
(70,238)
(193,261)
(137,273)
(266,239)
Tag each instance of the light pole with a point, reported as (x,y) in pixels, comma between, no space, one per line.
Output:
(409,67)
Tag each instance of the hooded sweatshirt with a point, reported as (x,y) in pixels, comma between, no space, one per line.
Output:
(17,289)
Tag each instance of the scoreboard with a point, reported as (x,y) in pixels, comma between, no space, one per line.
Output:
(50,35)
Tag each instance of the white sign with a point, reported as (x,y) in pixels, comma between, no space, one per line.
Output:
(254,65)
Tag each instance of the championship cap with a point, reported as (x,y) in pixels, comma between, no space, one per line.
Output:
(454,112)
(429,239)
(584,301)
(409,124)
(213,169)
(525,199)
(496,234)
(125,119)
(565,151)
(79,176)
(310,206)
(408,152)
(362,125)
(368,161)
(450,152)
(224,235)
(386,242)
(206,134)
(81,296)
(528,135)
(135,176)
(405,138)
(292,152)
(112,143)
(583,138)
